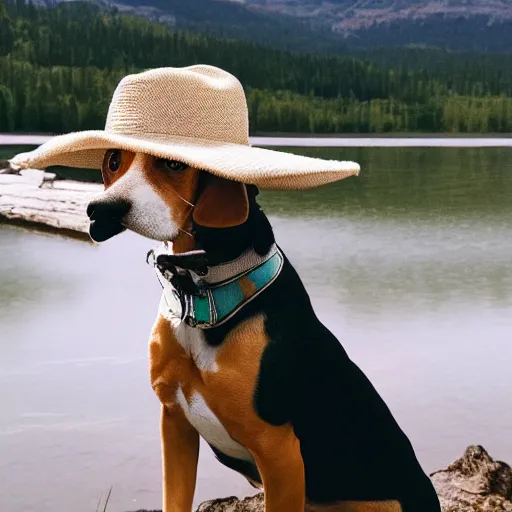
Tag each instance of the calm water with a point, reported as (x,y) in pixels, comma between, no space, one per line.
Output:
(409,265)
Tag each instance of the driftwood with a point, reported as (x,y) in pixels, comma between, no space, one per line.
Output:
(57,206)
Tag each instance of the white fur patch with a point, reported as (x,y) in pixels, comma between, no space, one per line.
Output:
(193,342)
(202,418)
(149,214)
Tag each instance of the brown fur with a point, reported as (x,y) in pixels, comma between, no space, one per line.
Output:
(109,178)
(222,203)
(177,189)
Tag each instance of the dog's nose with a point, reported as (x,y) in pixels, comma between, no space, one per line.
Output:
(106,218)
(101,209)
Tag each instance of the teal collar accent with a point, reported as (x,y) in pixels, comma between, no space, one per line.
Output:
(223,290)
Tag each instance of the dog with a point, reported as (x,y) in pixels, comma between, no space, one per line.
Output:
(268,387)
(49,178)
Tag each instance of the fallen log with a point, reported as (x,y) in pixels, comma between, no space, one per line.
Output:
(26,200)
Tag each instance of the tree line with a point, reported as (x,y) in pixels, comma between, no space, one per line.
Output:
(59,67)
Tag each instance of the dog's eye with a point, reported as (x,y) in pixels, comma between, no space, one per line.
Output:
(170,165)
(114,160)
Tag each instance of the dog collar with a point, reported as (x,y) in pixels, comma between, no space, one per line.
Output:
(217,292)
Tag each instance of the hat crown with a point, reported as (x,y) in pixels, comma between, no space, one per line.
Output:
(197,102)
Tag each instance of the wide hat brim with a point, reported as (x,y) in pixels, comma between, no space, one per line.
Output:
(268,169)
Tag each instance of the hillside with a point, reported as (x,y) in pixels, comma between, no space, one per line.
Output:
(463,25)
(351,15)
(331,25)
(59,67)
(226,19)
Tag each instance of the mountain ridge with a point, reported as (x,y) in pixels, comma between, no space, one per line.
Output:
(349,15)
(224,18)
(474,25)
(337,25)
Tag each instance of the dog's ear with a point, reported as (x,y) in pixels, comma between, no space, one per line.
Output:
(221,203)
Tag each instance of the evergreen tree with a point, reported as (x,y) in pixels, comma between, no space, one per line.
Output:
(6,109)
(59,67)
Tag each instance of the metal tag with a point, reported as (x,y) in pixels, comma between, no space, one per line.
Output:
(174,302)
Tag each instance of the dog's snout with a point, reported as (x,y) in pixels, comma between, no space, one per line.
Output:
(106,218)
(101,209)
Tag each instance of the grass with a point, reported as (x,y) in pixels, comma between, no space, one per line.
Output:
(106,501)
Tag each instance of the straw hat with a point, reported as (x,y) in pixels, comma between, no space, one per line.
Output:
(197,115)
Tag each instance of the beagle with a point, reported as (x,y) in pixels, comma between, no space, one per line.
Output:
(238,356)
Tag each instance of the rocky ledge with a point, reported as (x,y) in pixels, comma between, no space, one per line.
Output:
(475,482)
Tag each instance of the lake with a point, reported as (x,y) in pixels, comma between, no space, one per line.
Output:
(409,265)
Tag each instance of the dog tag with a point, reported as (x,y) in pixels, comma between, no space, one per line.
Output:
(171,306)
(173,302)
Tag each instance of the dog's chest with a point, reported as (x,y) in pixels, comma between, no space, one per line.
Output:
(193,342)
(196,409)
(204,420)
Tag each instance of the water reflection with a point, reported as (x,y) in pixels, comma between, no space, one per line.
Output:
(437,184)
(409,265)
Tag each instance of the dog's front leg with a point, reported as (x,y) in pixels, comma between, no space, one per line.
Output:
(279,460)
(180,452)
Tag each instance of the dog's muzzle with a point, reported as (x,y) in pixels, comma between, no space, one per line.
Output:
(106,218)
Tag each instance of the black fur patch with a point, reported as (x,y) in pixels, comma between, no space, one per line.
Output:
(351,445)
(244,467)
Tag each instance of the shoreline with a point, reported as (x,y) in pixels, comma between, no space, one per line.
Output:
(385,135)
(382,142)
(44,229)
(329,140)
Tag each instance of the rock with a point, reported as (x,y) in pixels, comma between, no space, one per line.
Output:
(475,482)
(233,504)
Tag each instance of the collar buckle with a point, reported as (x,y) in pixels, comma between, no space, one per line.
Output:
(206,298)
